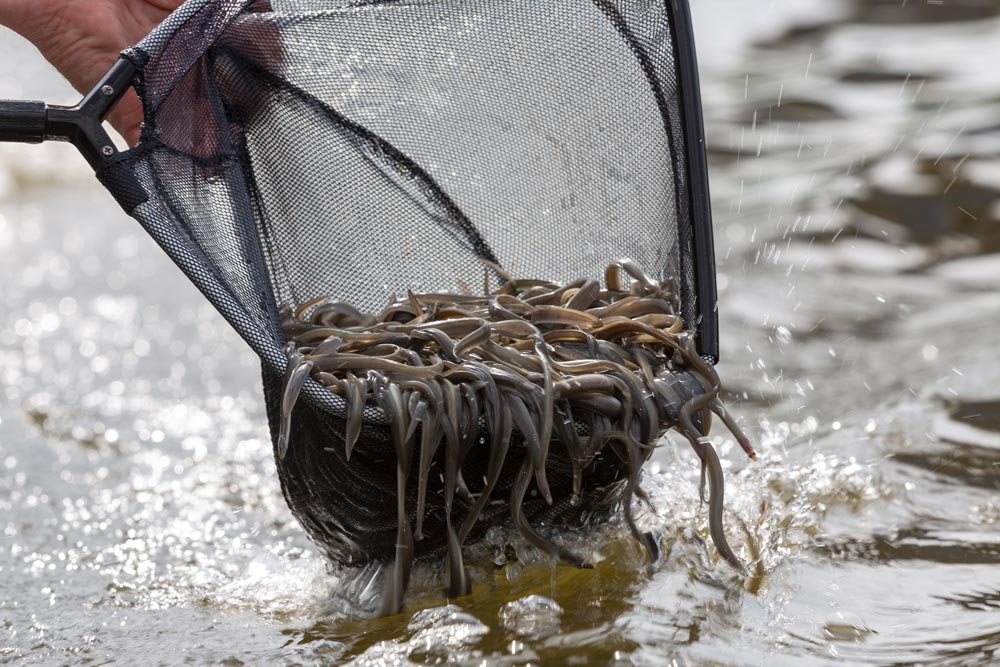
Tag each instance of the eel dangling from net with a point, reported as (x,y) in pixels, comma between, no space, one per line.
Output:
(513,373)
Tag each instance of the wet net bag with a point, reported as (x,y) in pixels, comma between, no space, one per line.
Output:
(363,148)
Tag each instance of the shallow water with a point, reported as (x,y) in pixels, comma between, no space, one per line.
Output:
(853,149)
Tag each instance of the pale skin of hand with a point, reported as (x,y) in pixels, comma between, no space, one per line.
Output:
(82,39)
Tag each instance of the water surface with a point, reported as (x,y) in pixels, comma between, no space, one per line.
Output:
(853,148)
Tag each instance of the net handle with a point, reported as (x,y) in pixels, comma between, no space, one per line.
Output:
(34,122)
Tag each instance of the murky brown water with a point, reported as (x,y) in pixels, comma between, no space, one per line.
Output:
(854,154)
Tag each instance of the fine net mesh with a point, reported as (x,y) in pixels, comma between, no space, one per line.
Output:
(360,148)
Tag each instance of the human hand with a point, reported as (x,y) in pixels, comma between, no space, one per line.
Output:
(82,39)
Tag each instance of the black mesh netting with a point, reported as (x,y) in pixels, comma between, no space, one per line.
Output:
(362,147)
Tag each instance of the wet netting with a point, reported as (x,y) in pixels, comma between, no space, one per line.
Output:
(364,148)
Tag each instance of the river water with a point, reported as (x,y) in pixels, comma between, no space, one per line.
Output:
(854,160)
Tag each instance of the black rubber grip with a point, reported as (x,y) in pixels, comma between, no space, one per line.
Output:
(22,121)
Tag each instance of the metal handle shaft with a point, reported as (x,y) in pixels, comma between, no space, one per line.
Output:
(22,121)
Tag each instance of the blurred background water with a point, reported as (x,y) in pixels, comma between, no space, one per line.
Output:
(854,161)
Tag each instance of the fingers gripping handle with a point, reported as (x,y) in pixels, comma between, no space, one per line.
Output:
(22,121)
